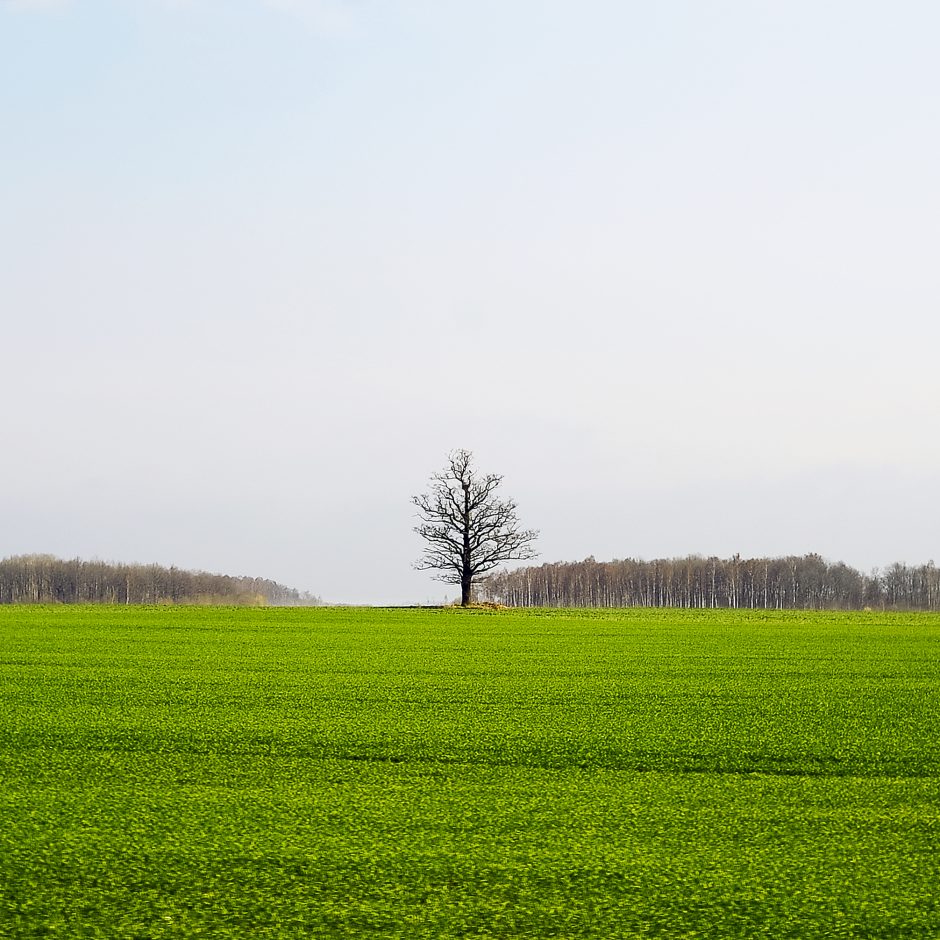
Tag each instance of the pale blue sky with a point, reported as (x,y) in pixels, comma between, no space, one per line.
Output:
(671,267)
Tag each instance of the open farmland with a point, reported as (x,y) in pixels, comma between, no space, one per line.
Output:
(185,772)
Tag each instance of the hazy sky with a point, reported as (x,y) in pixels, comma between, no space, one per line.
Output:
(671,267)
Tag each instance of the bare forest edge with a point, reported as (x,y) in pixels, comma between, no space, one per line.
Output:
(45,579)
(805,582)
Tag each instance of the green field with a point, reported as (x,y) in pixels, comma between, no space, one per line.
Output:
(444,773)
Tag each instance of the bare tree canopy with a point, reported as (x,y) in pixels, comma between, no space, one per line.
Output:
(44,579)
(468,529)
(791,583)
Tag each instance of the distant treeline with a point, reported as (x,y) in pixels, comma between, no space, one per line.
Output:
(804,582)
(43,579)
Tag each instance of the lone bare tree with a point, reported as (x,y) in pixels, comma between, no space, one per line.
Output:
(468,530)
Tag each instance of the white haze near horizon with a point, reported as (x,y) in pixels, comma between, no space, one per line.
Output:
(669,267)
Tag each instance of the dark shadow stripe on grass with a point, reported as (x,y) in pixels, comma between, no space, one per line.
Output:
(252,750)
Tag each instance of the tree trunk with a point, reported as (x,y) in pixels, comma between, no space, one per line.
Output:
(465,591)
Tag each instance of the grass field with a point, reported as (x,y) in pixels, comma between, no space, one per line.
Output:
(422,773)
